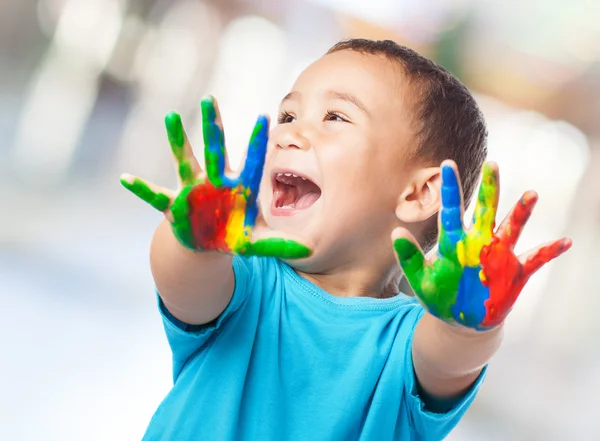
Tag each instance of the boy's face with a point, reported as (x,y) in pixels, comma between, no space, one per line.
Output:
(335,166)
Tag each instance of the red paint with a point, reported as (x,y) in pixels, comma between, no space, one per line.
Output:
(512,226)
(545,254)
(504,277)
(210,208)
(503,272)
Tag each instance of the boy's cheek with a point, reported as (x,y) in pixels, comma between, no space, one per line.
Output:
(264,205)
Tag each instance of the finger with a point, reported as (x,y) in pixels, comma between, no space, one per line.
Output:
(187,164)
(253,168)
(451,226)
(159,198)
(181,221)
(534,260)
(255,158)
(484,214)
(219,123)
(276,247)
(410,257)
(511,227)
(267,242)
(214,142)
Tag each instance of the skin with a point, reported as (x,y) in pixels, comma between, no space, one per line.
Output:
(215,212)
(475,278)
(471,284)
(339,127)
(208,219)
(342,152)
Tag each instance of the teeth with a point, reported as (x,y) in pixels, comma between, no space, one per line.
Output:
(290,175)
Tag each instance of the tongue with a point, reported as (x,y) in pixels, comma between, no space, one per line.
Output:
(295,193)
(291,198)
(306,200)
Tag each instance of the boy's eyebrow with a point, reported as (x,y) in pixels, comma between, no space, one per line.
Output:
(349,99)
(335,95)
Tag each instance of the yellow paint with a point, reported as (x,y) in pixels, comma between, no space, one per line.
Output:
(235,224)
(482,277)
(469,248)
(461,252)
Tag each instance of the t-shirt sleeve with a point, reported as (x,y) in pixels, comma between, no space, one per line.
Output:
(186,340)
(433,418)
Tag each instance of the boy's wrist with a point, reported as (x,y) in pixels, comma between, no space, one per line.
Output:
(458,337)
(469,334)
(448,351)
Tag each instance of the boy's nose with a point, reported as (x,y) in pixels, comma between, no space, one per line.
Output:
(292,138)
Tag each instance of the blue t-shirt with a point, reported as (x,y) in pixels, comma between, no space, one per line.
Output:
(288,361)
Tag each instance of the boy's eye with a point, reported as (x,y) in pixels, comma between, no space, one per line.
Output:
(285,118)
(333,116)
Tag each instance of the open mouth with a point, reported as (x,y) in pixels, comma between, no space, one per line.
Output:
(292,191)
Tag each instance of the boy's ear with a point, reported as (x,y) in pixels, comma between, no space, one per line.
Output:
(421,198)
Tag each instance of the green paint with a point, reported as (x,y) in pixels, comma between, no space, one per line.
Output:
(411,260)
(276,247)
(447,247)
(484,214)
(182,228)
(258,127)
(215,157)
(175,133)
(440,287)
(176,136)
(142,190)
(214,146)
(436,285)
(185,172)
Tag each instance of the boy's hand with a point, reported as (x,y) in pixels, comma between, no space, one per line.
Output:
(475,278)
(213,212)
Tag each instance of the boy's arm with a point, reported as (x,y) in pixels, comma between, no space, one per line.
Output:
(196,287)
(448,359)
(469,288)
(209,220)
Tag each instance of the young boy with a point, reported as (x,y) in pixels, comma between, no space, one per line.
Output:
(277,340)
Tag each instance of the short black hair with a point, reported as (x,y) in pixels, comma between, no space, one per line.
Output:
(449,123)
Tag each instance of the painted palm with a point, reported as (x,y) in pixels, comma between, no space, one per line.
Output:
(475,278)
(213,212)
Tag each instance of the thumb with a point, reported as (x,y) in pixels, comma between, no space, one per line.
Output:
(405,245)
(158,197)
(267,241)
(410,256)
(263,232)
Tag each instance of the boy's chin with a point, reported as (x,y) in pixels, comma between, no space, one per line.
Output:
(292,225)
(307,265)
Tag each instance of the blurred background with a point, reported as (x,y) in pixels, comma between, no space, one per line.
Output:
(84,86)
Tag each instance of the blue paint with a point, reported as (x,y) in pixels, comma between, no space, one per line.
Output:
(214,146)
(253,168)
(257,152)
(451,220)
(470,299)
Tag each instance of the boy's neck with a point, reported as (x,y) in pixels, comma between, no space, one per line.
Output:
(354,282)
